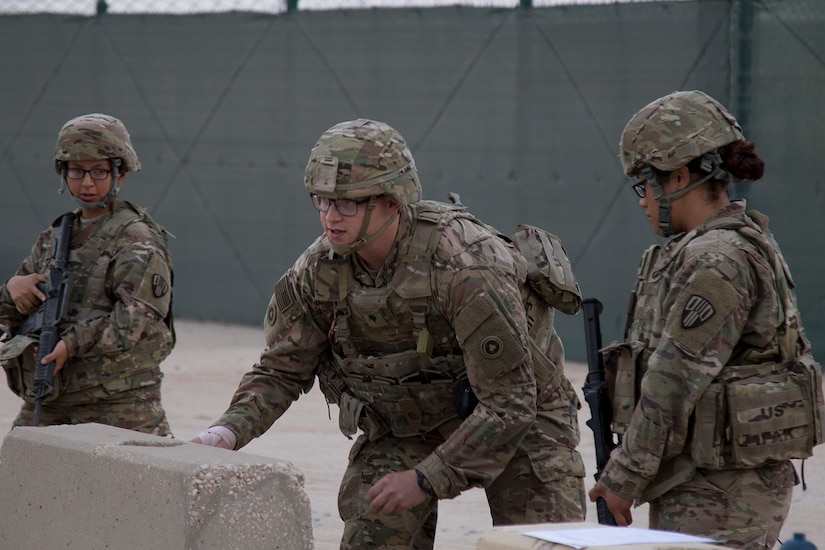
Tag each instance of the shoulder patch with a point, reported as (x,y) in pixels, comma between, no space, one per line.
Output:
(283,294)
(492,347)
(159,286)
(696,311)
(700,313)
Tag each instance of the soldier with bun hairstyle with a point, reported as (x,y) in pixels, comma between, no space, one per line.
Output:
(716,389)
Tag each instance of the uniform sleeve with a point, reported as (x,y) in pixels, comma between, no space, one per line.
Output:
(296,338)
(10,318)
(705,313)
(482,300)
(139,275)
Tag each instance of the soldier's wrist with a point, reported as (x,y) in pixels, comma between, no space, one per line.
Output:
(424,483)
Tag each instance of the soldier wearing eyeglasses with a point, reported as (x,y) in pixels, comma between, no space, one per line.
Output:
(413,317)
(117,326)
(716,389)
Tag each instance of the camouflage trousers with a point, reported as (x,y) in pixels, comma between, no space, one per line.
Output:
(741,508)
(137,409)
(543,482)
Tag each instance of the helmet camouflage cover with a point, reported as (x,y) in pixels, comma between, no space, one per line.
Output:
(362,158)
(675,129)
(94,137)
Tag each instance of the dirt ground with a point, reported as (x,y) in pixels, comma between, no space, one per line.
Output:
(204,369)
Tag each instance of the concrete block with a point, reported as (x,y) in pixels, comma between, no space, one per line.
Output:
(92,486)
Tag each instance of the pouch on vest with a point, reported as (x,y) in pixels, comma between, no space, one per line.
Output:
(18,359)
(331,382)
(620,364)
(353,414)
(767,418)
(548,269)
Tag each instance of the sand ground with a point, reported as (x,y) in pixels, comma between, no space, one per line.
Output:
(204,369)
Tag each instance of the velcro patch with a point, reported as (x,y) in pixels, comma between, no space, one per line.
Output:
(703,307)
(154,288)
(489,342)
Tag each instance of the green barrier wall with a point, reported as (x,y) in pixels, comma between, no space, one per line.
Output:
(519,111)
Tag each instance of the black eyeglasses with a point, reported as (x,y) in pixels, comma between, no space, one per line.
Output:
(345,207)
(640,189)
(97,174)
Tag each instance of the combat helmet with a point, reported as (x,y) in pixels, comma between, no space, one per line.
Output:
(675,129)
(670,132)
(95,137)
(363,158)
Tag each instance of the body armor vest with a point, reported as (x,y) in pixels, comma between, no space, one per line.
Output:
(763,410)
(396,360)
(92,297)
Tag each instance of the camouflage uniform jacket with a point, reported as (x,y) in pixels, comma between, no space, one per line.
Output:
(474,278)
(119,324)
(705,300)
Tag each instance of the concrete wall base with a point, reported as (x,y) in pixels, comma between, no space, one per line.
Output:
(93,486)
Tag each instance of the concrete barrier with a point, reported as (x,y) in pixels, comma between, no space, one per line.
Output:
(92,486)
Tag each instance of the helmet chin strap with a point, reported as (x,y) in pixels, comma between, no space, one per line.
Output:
(711,163)
(113,191)
(362,239)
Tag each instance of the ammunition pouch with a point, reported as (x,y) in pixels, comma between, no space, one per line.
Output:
(759,415)
(415,400)
(406,410)
(623,381)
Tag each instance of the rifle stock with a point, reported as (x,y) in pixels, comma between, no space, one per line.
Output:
(596,395)
(58,290)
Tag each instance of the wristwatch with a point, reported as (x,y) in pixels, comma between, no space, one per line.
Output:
(424,483)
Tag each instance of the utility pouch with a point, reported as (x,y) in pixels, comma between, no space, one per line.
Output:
(349,413)
(772,415)
(776,418)
(549,272)
(623,381)
(18,359)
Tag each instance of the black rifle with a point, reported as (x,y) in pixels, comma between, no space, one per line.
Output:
(58,291)
(596,395)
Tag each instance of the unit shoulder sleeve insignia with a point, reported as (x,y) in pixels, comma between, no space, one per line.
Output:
(696,311)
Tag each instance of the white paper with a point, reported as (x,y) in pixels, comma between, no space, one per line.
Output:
(613,536)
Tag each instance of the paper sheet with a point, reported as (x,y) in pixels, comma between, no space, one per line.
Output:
(615,536)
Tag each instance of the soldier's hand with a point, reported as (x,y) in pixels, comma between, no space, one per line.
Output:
(59,355)
(216,436)
(619,506)
(24,292)
(396,493)
(220,444)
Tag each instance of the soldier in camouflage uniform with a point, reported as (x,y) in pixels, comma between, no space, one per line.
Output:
(722,389)
(118,325)
(408,312)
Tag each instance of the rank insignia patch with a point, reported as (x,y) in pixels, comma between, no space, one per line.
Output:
(697,310)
